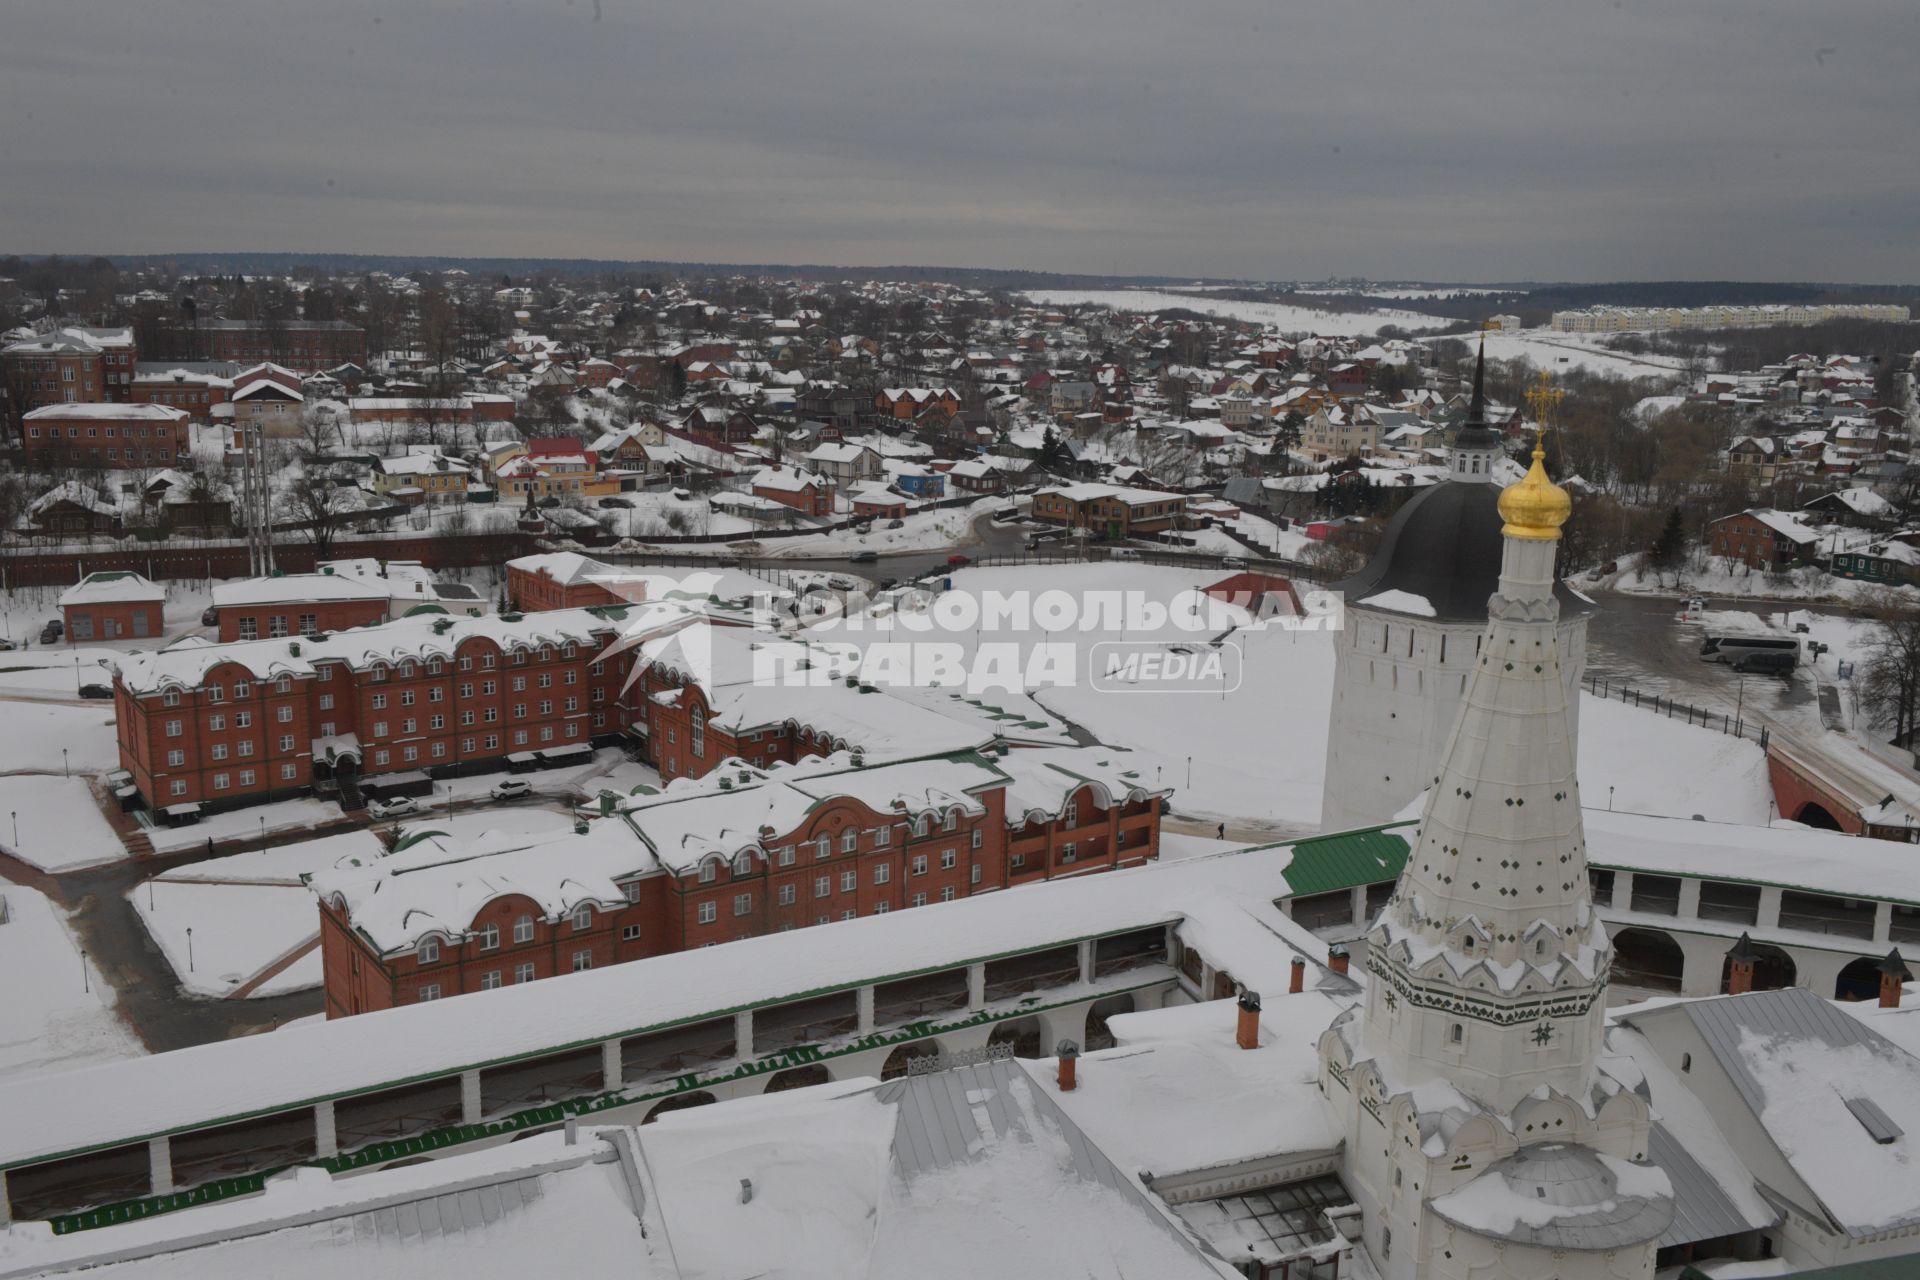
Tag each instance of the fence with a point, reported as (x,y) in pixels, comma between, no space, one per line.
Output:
(1730,723)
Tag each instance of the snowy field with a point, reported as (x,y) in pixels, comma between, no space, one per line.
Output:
(1712,576)
(1559,352)
(59,823)
(37,732)
(1255,756)
(1275,315)
(930,530)
(51,1019)
(239,933)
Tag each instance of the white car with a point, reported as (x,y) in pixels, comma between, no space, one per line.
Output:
(1233,562)
(512,789)
(396,807)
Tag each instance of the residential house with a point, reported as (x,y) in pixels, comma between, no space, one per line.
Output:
(1762,538)
(113,605)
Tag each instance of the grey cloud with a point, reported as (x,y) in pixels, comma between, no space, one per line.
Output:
(1479,139)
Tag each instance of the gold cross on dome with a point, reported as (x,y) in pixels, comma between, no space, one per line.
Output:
(1543,397)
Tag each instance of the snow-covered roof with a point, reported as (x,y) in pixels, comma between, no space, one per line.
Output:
(106,412)
(112,586)
(293,588)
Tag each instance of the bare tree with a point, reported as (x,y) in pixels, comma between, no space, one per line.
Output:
(321,500)
(1889,680)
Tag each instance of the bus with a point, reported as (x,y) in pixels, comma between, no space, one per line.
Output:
(1769,653)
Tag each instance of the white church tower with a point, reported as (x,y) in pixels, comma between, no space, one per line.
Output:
(1482,1142)
(1413,621)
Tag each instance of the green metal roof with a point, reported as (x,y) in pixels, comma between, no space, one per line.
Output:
(1323,864)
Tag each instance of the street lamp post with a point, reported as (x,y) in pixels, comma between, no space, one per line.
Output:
(65,770)
(16,829)
(1609,799)
(86,980)
(189,948)
(263,831)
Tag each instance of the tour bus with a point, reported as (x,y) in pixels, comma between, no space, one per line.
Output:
(1752,653)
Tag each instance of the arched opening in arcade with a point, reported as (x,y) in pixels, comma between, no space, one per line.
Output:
(1814,814)
(901,1060)
(679,1102)
(1098,1036)
(799,1077)
(1773,969)
(1648,959)
(1860,980)
(1021,1033)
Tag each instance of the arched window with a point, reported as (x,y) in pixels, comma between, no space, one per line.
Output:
(953,820)
(523,929)
(920,825)
(743,864)
(406,670)
(709,871)
(850,840)
(583,916)
(697,734)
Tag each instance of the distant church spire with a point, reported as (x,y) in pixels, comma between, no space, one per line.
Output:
(1475,445)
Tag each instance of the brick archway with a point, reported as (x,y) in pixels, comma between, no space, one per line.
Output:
(1798,791)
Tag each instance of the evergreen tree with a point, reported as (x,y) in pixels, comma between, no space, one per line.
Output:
(1671,546)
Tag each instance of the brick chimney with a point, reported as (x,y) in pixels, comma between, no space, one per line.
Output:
(1246,1031)
(1893,972)
(1298,982)
(1337,959)
(1069,1053)
(1740,961)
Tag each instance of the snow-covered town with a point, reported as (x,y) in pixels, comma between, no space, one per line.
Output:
(542,728)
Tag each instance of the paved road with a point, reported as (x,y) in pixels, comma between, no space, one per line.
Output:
(1639,641)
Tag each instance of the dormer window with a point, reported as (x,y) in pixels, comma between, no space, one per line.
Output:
(1466,943)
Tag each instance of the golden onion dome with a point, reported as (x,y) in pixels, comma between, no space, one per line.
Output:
(1536,507)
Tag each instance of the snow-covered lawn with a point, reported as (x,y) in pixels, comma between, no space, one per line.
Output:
(1559,352)
(60,826)
(37,732)
(1662,766)
(238,930)
(50,1018)
(512,820)
(1277,315)
(55,672)
(1713,576)
(283,864)
(248,823)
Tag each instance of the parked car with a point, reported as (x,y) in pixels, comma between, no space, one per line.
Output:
(50,634)
(209,617)
(96,690)
(56,626)
(864,557)
(1233,562)
(956,561)
(512,789)
(610,504)
(6,646)
(1122,553)
(397,806)
(896,523)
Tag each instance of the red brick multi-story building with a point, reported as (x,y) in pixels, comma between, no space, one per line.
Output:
(74,365)
(747,854)
(805,492)
(306,346)
(114,436)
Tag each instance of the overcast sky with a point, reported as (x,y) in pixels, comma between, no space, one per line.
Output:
(1479,139)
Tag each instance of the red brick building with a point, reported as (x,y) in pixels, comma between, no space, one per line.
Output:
(114,436)
(74,365)
(303,604)
(197,393)
(113,605)
(306,346)
(561,580)
(668,872)
(1762,539)
(1110,510)
(230,724)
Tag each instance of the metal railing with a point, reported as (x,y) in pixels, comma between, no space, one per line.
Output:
(1720,721)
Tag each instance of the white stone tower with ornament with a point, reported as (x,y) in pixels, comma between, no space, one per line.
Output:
(1414,619)
(1482,1141)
